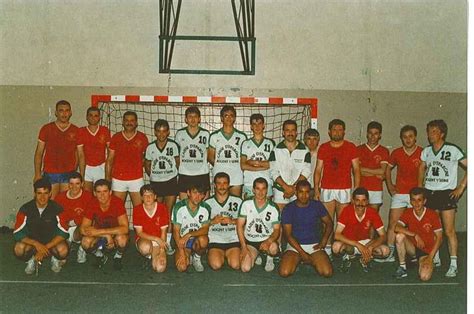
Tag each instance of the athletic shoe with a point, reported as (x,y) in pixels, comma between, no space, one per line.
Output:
(365,267)
(452,272)
(56,264)
(30,266)
(117,263)
(196,261)
(388,259)
(345,264)
(258,260)
(437,262)
(169,249)
(81,255)
(401,273)
(100,261)
(146,264)
(269,265)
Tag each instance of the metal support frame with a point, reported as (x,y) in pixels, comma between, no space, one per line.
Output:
(244,19)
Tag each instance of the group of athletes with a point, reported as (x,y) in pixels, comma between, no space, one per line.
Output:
(270,200)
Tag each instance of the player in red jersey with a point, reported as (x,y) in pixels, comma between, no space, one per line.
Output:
(124,165)
(418,233)
(332,176)
(150,220)
(55,154)
(74,202)
(92,143)
(353,232)
(106,221)
(407,161)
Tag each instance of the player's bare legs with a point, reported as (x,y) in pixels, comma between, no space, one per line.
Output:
(448,218)
(394,216)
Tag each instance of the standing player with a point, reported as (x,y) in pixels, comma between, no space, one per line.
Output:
(193,142)
(336,159)
(92,144)
(224,150)
(407,160)
(38,233)
(255,155)
(258,228)
(373,159)
(301,220)
(439,174)
(190,228)
(311,140)
(125,161)
(105,220)
(56,151)
(419,234)
(150,220)
(223,239)
(290,163)
(74,202)
(161,164)
(353,232)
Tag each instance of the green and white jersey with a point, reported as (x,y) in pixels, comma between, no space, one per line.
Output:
(257,151)
(259,221)
(189,220)
(228,154)
(224,233)
(163,162)
(442,166)
(193,155)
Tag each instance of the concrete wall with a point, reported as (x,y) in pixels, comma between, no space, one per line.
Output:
(397,62)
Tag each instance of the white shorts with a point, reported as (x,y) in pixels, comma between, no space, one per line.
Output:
(363,242)
(71,234)
(308,248)
(343,196)
(127,186)
(93,174)
(400,201)
(375,197)
(279,199)
(248,192)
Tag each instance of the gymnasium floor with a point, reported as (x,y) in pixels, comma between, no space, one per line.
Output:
(84,288)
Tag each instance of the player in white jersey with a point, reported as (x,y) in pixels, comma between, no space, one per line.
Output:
(258,228)
(190,227)
(255,154)
(311,139)
(438,173)
(224,150)
(194,143)
(223,240)
(161,165)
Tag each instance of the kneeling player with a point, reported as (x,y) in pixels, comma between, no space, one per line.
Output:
(353,232)
(150,220)
(418,233)
(300,220)
(258,227)
(190,227)
(223,239)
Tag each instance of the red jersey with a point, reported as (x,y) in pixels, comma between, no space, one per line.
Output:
(74,209)
(108,218)
(372,159)
(407,171)
(425,226)
(60,148)
(337,165)
(128,160)
(359,229)
(95,144)
(151,224)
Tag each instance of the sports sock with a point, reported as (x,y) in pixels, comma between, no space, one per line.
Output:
(168,238)
(392,250)
(403,265)
(98,253)
(118,254)
(328,249)
(454,261)
(436,257)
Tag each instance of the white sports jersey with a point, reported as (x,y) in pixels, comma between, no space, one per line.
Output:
(260,221)
(163,162)
(224,233)
(187,219)
(442,166)
(193,154)
(228,154)
(257,151)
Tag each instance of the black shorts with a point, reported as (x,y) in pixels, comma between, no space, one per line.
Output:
(223,246)
(254,244)
(440,200)
(166,188)
(185,181)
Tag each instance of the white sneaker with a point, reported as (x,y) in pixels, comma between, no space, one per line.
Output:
(436,262)
(30,266)
(169,249)
(55,264)
(196,261)
(269,265)
(81,255)
(452,271)
(258,260)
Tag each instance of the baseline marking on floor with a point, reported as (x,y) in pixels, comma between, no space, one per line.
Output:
(91,283)
(345,284)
